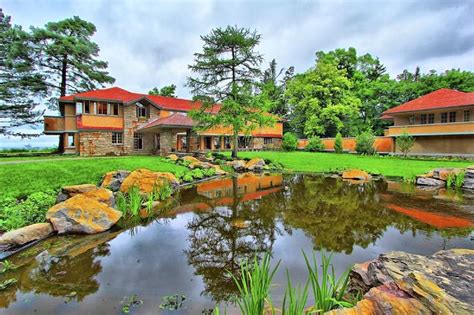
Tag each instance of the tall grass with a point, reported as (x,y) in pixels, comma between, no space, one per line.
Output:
(295,297)
(328,290)
(122,203)
(134,200)
(254,285)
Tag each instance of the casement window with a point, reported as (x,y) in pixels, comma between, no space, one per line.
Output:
(411,120)
(444,117)
(423,119)
(114,109)
(70,141)
(431,118)
(452,116)
(267,140)
(117,137)
(141,111)
(102,108)
(78,108)
(467,114)
(138,141)
(87,107)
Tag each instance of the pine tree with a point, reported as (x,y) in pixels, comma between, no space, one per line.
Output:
(226,71)
(20,85)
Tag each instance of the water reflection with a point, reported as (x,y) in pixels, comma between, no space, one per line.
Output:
(210,228)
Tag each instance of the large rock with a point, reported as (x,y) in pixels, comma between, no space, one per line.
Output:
(172,157)
(255,164)
(89,190)
(402,283)
(170,177)
(26,234)
(113,180)
(190,159)
(237,165)
(82,214)
(356,174)
(219,170)
(429,181)
(469,179)
(444,173)
(145,180)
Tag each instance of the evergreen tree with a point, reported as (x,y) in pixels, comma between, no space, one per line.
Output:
(20,85)
(167,90)
(226,71)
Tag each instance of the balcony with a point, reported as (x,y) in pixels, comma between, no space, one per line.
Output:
(59,124)
(460,128)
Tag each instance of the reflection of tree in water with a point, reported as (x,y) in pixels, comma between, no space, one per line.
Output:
(220,240)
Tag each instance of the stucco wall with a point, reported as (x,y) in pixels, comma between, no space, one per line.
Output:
(443,145)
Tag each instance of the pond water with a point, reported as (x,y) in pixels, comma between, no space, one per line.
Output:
(210,227)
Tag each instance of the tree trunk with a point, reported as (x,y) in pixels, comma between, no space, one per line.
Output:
(236,145)
(63,76)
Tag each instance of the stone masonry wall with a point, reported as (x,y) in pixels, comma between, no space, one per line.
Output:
(131,122)
(98,143)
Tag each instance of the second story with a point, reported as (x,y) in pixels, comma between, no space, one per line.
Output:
(116,109)
(442,112)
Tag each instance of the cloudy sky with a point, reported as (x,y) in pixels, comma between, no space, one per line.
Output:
(150,43)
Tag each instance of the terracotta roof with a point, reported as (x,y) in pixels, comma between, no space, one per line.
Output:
(172,120)
(442,98)
(121,95)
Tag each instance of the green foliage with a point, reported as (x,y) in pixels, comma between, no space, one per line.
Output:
(405,142)
(129,302)
(7,266)
(328,290)
(455,180)
(164,192)
(121,203)
(197,173)
(254,285)
(315,144)
(5,284)
(295,297)
(172,302)
(274,87)
(290,142)
(188,177)
(15,214)
(135,200)
(167,90)
(365,143)
(338,147)
(209,172)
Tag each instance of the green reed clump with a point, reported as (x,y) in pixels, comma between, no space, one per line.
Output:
(121,203)
(295,297)
(134,200)
(164,192)
(254,285)
(328,290)
(459,180)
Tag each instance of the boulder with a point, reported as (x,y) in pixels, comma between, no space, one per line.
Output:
(200,164)
(444,173)
(172,157)
(100,194)
(429,181)
(191,159)
(255,164)
(113,180)
(219,170)
(82,214)
(26,234)
(237,165)
(356,174)
(145,180)
(170,177)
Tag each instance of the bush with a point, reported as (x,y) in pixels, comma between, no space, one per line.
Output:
(338,148)
(290,142)
(365,143)
(405,142)
(315,144)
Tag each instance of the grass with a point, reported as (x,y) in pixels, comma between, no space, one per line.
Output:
(22,179)
(328,162)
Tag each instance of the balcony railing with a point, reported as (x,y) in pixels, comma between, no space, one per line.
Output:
(53,124)
(86,121)
(432,129)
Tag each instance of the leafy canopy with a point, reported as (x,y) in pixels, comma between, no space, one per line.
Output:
(167,90)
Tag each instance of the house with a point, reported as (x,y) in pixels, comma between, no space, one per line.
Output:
(114,121)
(442,122)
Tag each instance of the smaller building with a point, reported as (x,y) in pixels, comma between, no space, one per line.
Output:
(115,121)
(442,122)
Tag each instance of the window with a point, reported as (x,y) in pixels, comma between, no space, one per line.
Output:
(267,140)
(444,117)
(79,108)
(141,111)
(423,119)
(452,116)
(411,120)
(431,118)
(117,138)
(138,141)
(70,141)
(93,106)
(87,109)
(467,114)
(113,109)
(102,108)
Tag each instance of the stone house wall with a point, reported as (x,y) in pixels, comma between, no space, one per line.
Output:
(98,143)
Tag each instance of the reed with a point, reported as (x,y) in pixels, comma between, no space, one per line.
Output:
(121,203)
(294,301)
(134,200)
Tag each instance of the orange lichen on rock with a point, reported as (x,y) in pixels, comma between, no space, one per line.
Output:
(145,180)
(356,174)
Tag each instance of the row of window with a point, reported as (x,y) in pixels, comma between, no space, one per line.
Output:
(99,108)
(445,117)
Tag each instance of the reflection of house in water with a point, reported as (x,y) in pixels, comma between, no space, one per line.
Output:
(249,186)
(425,207)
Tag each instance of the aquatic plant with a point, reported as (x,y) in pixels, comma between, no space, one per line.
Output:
(164,192)
(121,203)
(172,302)
(450,180)
(254,285)
(328,290)
(459,180)
(128,302)
(149,203)
(134,200)
(296,298)
(7,266)
(5,284)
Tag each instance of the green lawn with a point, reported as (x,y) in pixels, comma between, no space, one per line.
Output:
(327,162)
(17,180)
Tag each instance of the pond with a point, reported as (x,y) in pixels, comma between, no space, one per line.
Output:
(208,228)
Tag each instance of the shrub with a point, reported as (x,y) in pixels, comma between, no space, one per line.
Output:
(405,142)
(188,177)
(209,172)
(197,173)
(365,143)
(315,144)
(290,142)
(338,148)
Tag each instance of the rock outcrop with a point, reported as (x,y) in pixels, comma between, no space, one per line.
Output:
(469,178)
(402,283)
(356,174)
(100,194)
(255,164)
(145,180)
(173,157)
(26,234)
(444,173)
(113,180)
(82,214)
(426,180)
(237,165)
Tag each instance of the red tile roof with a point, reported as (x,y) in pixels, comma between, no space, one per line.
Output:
(170,121)
(442,98)
(121,95)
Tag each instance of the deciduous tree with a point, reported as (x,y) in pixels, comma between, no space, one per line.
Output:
(167,90)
